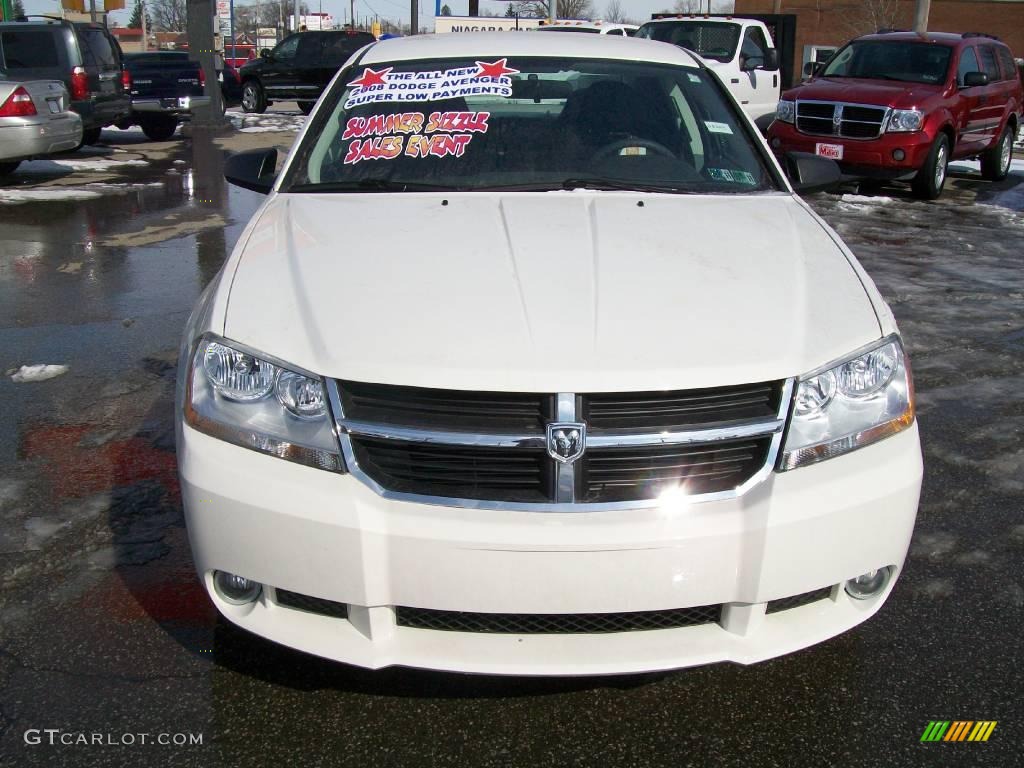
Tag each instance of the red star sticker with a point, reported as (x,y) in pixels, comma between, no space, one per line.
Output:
(371,77)
(497,69)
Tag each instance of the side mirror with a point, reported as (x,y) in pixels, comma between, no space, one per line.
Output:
(973,79)
(255,169)
(771,59)
(812,68)
(810,173)
(265,53)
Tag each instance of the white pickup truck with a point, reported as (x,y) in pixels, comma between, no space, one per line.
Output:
(740,51)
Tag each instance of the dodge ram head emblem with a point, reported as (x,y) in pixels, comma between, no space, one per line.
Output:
(566,442)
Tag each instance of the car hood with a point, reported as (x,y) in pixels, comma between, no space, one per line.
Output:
(560,291)
(884,93)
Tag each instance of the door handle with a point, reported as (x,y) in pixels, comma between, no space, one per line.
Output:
(735,80)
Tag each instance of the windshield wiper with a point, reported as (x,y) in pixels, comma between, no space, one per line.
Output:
(593,183)
(373,185)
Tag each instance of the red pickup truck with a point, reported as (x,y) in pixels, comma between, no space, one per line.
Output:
(900,106)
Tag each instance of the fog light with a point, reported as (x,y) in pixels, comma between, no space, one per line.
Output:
(898,155)
(776,142)
(236,590)
(868,584)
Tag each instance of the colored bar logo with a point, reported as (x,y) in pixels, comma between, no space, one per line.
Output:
(958,730)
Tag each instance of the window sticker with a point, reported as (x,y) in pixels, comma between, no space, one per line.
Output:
(714,127)
(414,134)
(485,79)
(736,177)
(693,77)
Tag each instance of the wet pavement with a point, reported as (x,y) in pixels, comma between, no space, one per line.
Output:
(104,629)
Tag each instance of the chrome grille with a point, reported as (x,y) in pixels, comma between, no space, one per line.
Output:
(489,450)
(628,474)
(555,623)
(849,121)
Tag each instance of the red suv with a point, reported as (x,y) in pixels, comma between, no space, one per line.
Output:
(900,106)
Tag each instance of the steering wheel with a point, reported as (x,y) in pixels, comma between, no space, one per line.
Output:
(612,150)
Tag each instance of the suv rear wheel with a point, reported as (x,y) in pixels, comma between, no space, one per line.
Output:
(995,161)
(931,178)
(253,98)
(8,167)
(91,135)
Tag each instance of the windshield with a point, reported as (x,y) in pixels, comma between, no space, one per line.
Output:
(894,60)
(528,124)
(710,39)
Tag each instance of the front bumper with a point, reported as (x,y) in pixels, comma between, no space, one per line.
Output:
(22,138)
(872,158)
(329,536)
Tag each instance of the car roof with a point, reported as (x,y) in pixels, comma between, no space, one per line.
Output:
(942,38)
(501,44)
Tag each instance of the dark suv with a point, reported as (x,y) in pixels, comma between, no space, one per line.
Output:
(299,68)
(85,57)
(900,106)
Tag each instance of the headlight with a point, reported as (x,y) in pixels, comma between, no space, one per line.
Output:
(902,120)
(855,403)
(785,111)
(240,396)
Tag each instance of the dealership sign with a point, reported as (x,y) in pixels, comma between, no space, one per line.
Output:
(483,24)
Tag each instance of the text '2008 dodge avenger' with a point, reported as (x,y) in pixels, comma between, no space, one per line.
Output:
(532,362)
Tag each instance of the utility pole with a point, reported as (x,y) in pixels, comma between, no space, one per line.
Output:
(777,6)
(145,31)
(92,11)
(352,12)
(199,26)
(414,17)
(552,11)
(921,16)
(295,23)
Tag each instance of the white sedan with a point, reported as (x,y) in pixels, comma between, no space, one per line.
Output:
(533,362)
(35,121)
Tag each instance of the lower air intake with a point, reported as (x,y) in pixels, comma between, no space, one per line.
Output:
(311,604)
(785,603)
(556,623)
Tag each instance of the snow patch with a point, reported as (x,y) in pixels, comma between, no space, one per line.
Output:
(267,123)
(49,194)
(32,373)
(866,199)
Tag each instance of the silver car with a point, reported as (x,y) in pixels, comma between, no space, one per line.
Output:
(35,120)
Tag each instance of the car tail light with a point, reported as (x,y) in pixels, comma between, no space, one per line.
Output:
(79,84)
(202,77)
(18,104)
(238,76)
(126,80)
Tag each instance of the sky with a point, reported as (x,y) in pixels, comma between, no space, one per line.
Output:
(399,9)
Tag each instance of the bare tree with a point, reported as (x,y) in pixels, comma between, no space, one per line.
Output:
(168,15)
(865,16)
(688,6)
(613,12)
(566,9)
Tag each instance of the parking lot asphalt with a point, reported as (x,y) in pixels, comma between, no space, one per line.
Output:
(104,630)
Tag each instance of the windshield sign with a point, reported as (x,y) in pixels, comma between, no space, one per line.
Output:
(903,61)
(528,124)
